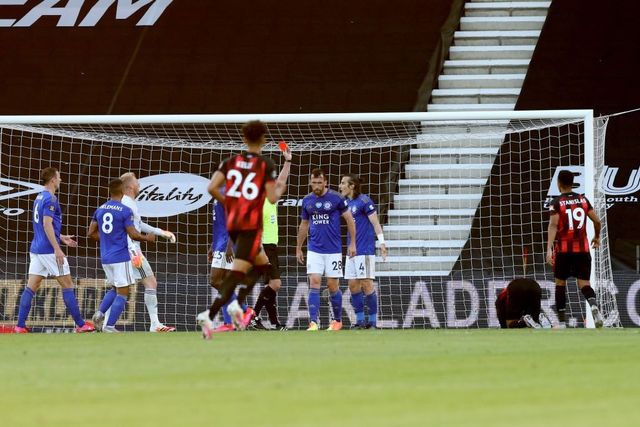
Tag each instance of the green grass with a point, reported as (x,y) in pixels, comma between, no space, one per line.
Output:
(350,378)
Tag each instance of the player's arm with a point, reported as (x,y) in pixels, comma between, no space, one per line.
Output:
(551,236)
(303,232)
(47,224)
(274,190)
(377,228)
(597,226)
(214,186)
(93,233)
(136,235)
(351,229)
(286,168)
(167,235)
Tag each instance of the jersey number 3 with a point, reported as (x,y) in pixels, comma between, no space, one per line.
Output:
(242,188)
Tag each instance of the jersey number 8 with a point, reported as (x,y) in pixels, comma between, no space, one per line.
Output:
(107,223)
(249,189)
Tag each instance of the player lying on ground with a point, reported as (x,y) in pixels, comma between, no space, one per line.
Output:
(360,269)
(249,178)
(46,256)
(518,305)
(111,224)
(320,220)
(568,245)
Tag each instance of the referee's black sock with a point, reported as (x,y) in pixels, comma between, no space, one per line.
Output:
(561,302)
(263,299)
(589,294)
(227,288)
(252,277)
(270,305)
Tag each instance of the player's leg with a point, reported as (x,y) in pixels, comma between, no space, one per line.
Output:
(37,272)
(70,301)
(315,270)
(150,284)
(369,289)
(218,272)
(121,276)
(333,268)
(103,310)
(561,271)
(582,267)
(355,288)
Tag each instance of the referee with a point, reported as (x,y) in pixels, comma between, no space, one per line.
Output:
(267,297)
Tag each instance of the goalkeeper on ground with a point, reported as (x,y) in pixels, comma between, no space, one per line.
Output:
(518,305)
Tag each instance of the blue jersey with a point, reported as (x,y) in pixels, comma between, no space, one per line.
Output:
(113,218)
(323,214)
(46,204)
(219,228)
(361,207)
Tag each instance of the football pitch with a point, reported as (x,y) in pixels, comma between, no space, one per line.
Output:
(347,378)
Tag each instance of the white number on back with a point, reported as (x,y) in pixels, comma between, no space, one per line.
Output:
(107,223)
(249,189)
(36,215)
(576,214)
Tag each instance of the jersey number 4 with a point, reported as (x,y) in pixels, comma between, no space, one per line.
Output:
(242,187)
(577,215)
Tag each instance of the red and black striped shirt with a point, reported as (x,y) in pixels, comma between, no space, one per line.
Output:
(572,209)
(246,174)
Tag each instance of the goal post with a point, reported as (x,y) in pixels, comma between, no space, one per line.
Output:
(461,198)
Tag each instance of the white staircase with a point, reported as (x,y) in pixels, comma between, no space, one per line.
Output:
(446,174)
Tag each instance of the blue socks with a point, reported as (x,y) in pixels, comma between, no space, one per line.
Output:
(372,306)
(69,298)
(116,309)
(107,300)
(314,304)
(226,318)
(25,306)
(336,305)
(357,302)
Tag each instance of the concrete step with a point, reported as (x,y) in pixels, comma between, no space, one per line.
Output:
(478,170)
(501,23)
(496,38)
(417,159)
(426,232)
(486,66)
(436,201)
(417,263)
(463,128)
(441,186)
(413,273)
(424,247)
(431,216)
(475,96)
(507,8)
(471,107)
(484,81)
(491,52)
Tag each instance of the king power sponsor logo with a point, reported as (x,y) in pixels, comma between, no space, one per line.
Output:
(606,183)
(69,12)
(172,194)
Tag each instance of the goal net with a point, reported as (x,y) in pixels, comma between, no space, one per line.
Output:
(461,197)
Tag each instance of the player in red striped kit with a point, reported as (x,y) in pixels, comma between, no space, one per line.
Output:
(249,178)
(568,245)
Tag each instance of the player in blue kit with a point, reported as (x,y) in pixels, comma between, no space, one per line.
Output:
(111,224)
(360,269)
(46,256)
(321,212)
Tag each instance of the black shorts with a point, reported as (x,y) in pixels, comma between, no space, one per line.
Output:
(523,297)
(248,244)
(272,253)
(572,264)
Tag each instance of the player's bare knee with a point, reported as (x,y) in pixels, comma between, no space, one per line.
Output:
(367,286)
(315,281)
(275,284)
(354,286)
(333,284)
(150,282)
(123,291)
(65,282)
(583,283)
